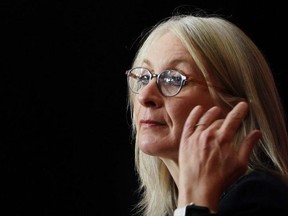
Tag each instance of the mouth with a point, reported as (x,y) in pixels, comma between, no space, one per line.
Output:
(152,123)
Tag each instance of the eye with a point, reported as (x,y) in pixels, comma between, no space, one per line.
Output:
(144,79)
(174,80)
(171,78)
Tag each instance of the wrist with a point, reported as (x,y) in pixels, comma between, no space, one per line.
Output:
(193,210)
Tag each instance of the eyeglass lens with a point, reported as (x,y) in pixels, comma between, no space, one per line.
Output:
(169,82)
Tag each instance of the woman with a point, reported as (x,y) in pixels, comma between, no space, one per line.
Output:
(210,135)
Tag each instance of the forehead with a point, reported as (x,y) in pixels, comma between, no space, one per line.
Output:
(168,52)
(167,46)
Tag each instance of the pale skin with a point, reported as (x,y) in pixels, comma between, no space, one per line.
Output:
(200,159)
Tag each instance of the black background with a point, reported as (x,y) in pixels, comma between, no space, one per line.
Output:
(65,146)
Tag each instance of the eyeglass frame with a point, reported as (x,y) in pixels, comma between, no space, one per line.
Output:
(185,80)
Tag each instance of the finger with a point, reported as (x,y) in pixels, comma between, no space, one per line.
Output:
(233,120)
(208,118)
(247,146)
(192,119)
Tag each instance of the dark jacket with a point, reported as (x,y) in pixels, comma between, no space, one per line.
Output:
(256,194)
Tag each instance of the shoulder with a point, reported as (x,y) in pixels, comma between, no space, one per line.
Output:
(258,191)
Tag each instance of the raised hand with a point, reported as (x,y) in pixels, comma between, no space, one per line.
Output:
(208,160)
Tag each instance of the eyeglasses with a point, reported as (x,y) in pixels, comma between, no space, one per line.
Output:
(169,82)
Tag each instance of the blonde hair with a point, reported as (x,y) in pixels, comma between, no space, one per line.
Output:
(222,53)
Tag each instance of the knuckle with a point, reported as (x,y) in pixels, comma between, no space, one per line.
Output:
(208,135)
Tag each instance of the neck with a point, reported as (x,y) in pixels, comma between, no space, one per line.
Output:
(172,166)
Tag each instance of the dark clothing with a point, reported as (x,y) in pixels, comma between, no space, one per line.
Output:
(256,194)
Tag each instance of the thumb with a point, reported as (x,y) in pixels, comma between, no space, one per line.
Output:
(247,146)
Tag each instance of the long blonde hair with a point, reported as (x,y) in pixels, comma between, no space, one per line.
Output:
(224,53)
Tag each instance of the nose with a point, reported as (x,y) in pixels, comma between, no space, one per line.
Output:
(149,95)
(153,75)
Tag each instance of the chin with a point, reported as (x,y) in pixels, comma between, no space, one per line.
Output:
(148,149)
(153,149)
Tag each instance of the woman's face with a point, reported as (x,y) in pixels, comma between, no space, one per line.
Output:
(160,119)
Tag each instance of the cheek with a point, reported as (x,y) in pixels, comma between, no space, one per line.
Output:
(178,116)
(180,111)
(136,111)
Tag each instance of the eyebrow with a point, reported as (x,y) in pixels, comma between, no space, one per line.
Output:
(173,62)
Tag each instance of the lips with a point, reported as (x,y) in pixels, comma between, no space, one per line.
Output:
(151,123)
